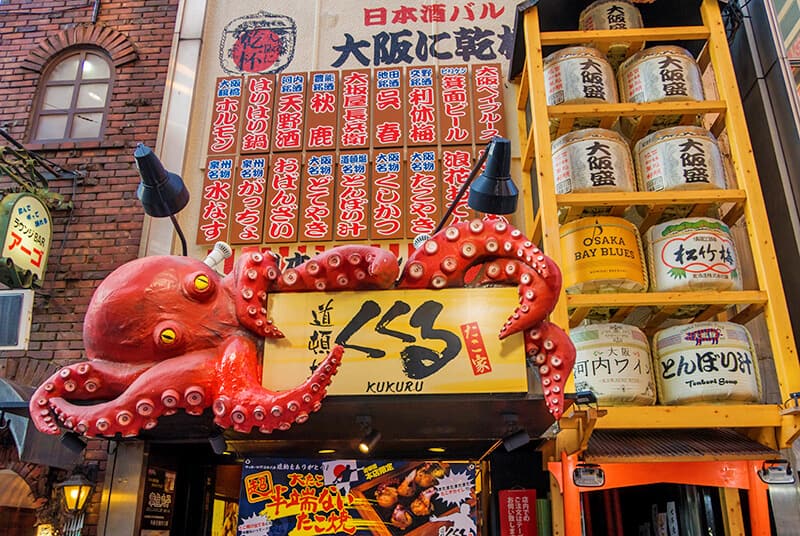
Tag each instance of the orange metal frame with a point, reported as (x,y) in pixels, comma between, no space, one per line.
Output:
(741,474)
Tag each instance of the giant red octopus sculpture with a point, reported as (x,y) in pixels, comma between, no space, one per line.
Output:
(165,333)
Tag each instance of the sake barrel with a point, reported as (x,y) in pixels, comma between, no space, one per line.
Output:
(578,75)
(613,361)
(602,254)
(679,158)
(592,160)
(692,254)
(705,362)
(658,74)
(612,15)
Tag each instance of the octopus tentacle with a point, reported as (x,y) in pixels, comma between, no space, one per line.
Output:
(245,404)
(254,275)
(445,259)
(151,394)
(343,268)
(94,380)
(553,353)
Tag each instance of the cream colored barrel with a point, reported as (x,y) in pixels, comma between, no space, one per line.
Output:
(593,160)
(575,75)
(706,362)
(612,15)
(692,254)
(613,361)
(659,74)
(679,158)
(602,254)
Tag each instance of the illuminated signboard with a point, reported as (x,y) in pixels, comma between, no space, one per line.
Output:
(26,231)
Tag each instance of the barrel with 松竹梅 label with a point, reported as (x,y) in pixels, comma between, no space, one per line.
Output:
(613,361)
(612,15)
(577,75)
(658,74)
(692,254)
(706,362)
(602,254)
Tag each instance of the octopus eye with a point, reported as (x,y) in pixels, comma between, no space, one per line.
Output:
(168,336)
(199,286)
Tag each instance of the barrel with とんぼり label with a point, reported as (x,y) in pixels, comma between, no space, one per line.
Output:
(576,75)
(602,254)
(679,158)
(613,361)
(592,160)
(706,362)
(612,15)
(658,74)
(692,254)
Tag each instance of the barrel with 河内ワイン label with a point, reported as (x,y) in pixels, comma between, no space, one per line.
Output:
(613,361)
(706,362)
(602,254)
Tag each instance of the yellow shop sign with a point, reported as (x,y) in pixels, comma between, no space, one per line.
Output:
(398,342)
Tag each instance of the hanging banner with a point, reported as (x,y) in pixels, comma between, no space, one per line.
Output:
(518,512)
(398,342)
(301,497)
(25,235)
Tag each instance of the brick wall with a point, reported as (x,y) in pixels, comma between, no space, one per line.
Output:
(104,229)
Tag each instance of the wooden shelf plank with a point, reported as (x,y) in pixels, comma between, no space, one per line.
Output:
(666,33)
(633,109)
(666,299)
(694,416)
(665,198)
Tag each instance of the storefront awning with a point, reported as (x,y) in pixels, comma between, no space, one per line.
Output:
(32,445)
(689,445)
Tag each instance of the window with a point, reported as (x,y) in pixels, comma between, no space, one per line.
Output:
(73,98)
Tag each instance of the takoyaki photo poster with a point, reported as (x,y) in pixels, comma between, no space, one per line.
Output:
(304,497)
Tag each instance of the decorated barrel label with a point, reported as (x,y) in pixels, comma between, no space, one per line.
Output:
(692,254)
(602,254)
(706,362)
(613,361)
(576,75)
(679,158)
(658,74)
(592,160)
(612,15)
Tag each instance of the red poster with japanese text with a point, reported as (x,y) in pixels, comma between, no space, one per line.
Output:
(317,197)
(456,165)
(249,193)
(354,125)
(226,116)
(352,196)
(389,108)
(455,111)
(283,205)
(388,194)
(518,512)
(421,106)
(322,112)
(215,204)
(490,119)
(290,110)
(423,204)
(258,107)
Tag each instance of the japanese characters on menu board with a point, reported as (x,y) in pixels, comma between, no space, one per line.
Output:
(351,155)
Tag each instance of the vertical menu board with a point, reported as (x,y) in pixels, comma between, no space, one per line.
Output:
(388,108)
(321,114)
(352,196)
(388,195)
(258,102)
(455,112)
(423,206)
(226,117)
(421,107)
(283,190)
(247,212)
(355,109)
(316,201)
(290,109)
(456,166)
(216,201)
(487,83)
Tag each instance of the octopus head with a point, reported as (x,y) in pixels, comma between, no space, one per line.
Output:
(158,307)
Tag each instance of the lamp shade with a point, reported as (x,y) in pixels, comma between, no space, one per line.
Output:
(493,191)
(369,441)
(75,491)
(162,193)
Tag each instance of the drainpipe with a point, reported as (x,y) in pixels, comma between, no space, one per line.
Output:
(95,11)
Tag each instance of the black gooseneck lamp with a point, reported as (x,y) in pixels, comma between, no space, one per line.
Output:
(161,193)
(493,191)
